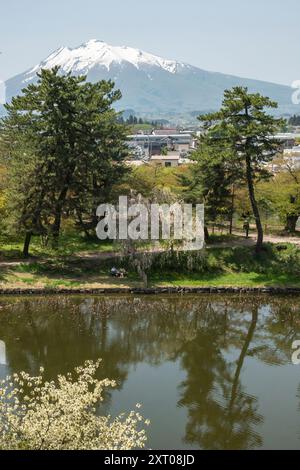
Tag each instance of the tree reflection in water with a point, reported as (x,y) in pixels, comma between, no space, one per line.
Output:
(210,337)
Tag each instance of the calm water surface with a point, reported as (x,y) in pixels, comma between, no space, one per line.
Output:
(212,372)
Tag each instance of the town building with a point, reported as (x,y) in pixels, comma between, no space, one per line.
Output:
(145,146)
(171,160)
(287,139)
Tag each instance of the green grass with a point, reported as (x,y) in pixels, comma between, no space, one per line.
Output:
(70,243)
(229,280)
(221,238)
(27,280)
(62,283)
(277,265)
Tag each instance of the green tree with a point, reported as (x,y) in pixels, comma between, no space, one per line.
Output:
(63,135)
(3,206)
(210,181)
(243,128)
(26,191)
(294,120)
(283,194)
(164,150)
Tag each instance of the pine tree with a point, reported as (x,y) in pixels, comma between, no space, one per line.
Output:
(244,130)
(209,181)
(64,135)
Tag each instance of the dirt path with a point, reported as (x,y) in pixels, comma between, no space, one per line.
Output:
(242,241)
(267,238)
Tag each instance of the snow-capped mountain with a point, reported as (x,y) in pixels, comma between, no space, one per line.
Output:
(98,53)
(149,84)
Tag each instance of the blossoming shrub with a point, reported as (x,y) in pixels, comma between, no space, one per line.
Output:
(61,414)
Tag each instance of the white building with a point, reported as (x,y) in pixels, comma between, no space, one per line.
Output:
(170,160)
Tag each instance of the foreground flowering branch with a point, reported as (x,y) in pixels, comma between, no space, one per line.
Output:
(58,415)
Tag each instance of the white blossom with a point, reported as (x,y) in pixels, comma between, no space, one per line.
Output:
(61,415)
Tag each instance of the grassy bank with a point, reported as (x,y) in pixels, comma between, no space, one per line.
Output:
(277,265)
(71,243)
(86,264)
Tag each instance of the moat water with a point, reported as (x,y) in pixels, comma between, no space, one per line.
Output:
(212,372)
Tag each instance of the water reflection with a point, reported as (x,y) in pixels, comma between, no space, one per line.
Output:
(223,415)
(211,339)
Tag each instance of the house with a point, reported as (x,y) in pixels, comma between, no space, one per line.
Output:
(288,140)
(170,160)
(153,144)
(164,132)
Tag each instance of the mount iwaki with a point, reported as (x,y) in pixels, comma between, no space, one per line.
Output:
(151,85)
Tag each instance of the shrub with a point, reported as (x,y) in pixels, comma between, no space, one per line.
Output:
(61,415)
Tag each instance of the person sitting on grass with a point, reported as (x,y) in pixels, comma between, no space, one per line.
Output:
(118,272)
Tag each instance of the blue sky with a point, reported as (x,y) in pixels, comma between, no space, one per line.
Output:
(250,38)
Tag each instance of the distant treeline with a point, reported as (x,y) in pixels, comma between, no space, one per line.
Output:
(133,120)
(294,121)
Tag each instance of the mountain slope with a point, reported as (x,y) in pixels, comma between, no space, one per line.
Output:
(150,84)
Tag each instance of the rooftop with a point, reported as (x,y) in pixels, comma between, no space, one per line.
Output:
(165,157)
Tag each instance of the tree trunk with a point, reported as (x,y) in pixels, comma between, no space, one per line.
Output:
(61,201)
(291,222)
(55,231)
(57,220)
(206,234)
(27,244)
(231,211)
(240,363)
(82,225)
(259,227)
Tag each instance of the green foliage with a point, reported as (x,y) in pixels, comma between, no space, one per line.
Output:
(3,199)
(147,179)
(238,139)
(294,120)
(210,181)
(237,266)
(282,193)
(164,150)
(64,149)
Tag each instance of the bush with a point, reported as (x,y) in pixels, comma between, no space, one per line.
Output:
(182,261)
(61,415)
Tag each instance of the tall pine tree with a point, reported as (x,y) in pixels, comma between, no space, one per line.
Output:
(63,135)
(244,132)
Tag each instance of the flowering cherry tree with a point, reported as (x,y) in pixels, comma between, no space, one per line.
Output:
(61,415)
